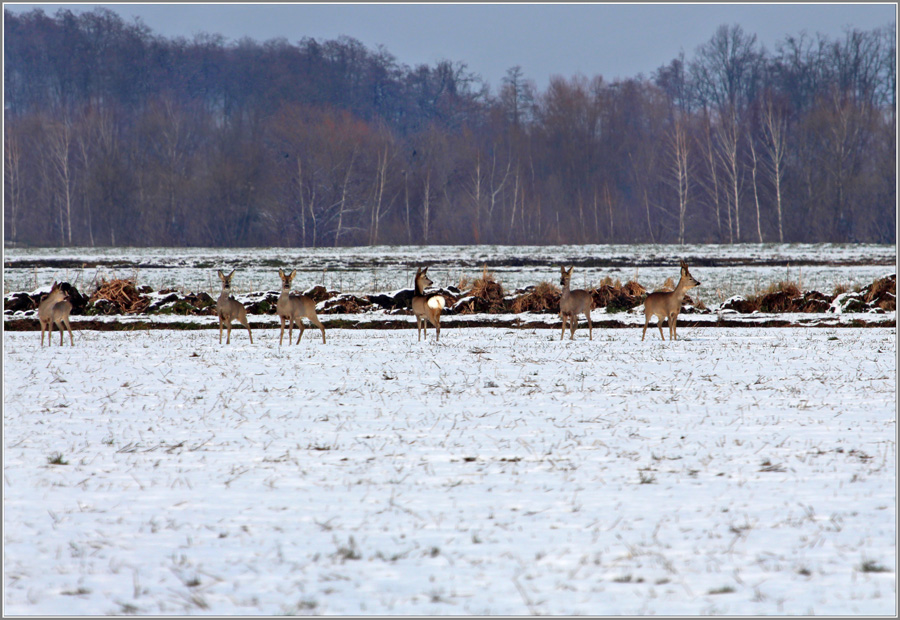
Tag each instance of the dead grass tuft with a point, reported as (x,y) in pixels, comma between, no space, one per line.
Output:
(488,291)
(618,297)
(883,292)
(123,293)
(543,297)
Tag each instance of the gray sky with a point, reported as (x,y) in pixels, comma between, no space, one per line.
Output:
(612,40)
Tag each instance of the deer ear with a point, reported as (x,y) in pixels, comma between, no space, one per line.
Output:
(292,273)
(220,274)
(232,273)
(571,269)
(563,270)
(280,272)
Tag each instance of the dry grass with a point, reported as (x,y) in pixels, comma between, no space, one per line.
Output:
(123,293)
(787,287)
(545,296)
(841,288)
(880,288)
(487,290)
(617,297)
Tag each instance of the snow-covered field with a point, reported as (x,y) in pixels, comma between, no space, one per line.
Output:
(738,269)
(737,471)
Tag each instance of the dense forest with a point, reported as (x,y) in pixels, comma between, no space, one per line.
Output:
(117,136)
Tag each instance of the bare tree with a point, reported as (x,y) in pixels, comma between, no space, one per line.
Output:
(342,204)
(679,169)
(775,130)
(727,143)
(755,187)
(711,181)
(12,179)
(61,157)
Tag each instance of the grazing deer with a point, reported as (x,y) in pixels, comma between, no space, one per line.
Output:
(55,309)
(573,303)
(667,304)
(230,309)
(292,308)
(426,306)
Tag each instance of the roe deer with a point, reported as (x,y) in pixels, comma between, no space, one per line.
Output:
(292,308)
(573,303)
(55,308)
(230,309)
(665,304)
(427,306)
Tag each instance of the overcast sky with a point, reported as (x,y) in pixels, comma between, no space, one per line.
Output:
(612,40)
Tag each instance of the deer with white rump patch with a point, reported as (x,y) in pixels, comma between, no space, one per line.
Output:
(667,304)
(229,309)
(573,303)
(426,307)
(292,308)
(55,309)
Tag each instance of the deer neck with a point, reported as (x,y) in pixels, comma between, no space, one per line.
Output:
(681,288)
(420,291)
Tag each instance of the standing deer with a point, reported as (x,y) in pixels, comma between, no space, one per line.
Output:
(667,304)
(573,303)
(55,309)
(230,309)
(292,308)
(426,307)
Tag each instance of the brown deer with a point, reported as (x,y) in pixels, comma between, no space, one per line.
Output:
(55,309)
(427,307)
(292,308)
(667,304)
(229,309)
(573,303)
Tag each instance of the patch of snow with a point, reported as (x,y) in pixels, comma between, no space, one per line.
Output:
(739,471)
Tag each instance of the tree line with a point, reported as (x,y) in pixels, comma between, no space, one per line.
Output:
(117,136)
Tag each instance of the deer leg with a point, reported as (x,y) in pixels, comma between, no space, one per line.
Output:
(50,334)
(220,329)
(590,325)
(62,332)
(228,339)
(43,328)
(563,333)
(246,323)
(71,338)
(321,327)
(437,327)
(672,331)
(281,337)
(659,321)
(646,322)
(302,329)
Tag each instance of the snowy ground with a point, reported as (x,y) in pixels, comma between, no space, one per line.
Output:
(739,269)
(736,471)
